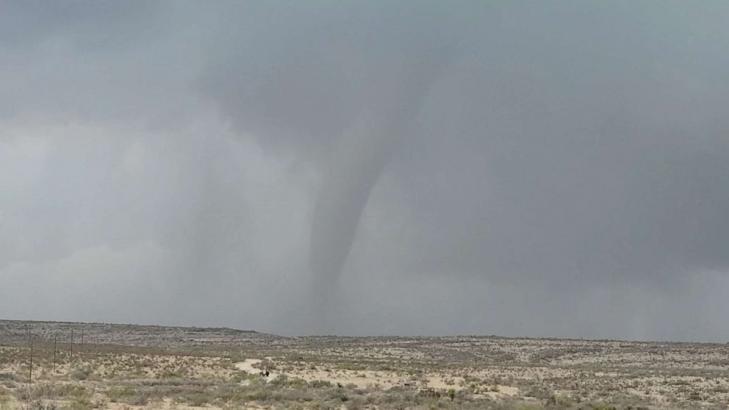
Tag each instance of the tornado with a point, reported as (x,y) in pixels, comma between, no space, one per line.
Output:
(386,122)
(355,167)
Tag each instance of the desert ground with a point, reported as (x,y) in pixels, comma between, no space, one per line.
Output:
(93,365)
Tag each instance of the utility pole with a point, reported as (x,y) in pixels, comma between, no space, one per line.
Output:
(82,341)
(30,362)
(71,346)
(55,341)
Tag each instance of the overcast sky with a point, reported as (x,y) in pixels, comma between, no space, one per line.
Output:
(513,168)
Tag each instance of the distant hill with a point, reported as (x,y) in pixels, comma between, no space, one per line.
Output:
(15,332)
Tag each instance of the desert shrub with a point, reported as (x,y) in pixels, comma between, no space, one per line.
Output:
(318,384)
(81,373)
(239,376)
(4,397)
(77,397)
(117,394)
(170,374)
(230,393)
(299,395)
(51,391)
(559,402)
(9,380)
(66,390)
(79,403)
(128,395)
(280,381)
(35,405)
(539,392)
(296,383)
(258,394)
(196,398)
(520,406)
(696,396)
(602,406)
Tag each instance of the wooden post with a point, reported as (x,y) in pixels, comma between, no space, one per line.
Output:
(30,364)
(55,342)
(71,347)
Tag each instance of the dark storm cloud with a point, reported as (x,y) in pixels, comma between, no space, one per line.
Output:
(512,167)
(587,140)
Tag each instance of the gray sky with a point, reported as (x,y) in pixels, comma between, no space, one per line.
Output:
(511,168)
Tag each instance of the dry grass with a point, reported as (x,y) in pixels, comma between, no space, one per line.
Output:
(156,367)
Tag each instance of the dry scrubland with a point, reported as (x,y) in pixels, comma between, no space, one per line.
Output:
(127,366)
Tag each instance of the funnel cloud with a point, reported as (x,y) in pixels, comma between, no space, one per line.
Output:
(385,119)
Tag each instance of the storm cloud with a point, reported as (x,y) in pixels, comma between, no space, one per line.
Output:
(514,168)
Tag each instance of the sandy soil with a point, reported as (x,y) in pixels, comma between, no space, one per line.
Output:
(155,367)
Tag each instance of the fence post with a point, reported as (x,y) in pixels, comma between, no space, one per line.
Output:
(55,342)
(30,364)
